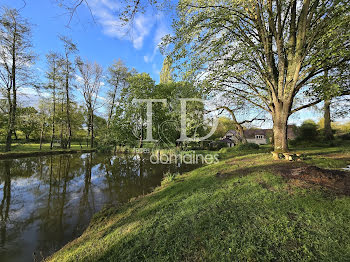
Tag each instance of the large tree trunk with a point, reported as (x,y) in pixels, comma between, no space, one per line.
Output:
(280,126)
(327,120)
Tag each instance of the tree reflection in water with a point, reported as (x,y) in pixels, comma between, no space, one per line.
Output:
(48,201)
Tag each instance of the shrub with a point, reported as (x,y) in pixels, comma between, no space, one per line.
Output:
(240,147)
(218,145)
(248,146)
(345,136)
(308,131)
(169,177)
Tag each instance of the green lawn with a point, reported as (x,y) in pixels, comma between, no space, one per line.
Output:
(240,209)
(16,147)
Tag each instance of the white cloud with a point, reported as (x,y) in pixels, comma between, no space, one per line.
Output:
(105,13)
(161,31)
(147,58)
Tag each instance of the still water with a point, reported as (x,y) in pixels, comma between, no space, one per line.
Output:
(48,201)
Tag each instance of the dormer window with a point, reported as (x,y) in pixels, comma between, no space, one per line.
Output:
(259,136)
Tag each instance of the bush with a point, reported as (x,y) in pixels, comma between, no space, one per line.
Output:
(240,147)
(345,136)
(247,146)
(225,150)
(218,145)
(169,177)
(308,131)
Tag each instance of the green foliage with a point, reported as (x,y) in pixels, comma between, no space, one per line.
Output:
(169,177)
(129,122)
(166,73)
(225,124)
(247,146)
(28,120)
(308,131)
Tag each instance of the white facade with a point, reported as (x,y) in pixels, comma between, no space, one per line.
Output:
(259,140)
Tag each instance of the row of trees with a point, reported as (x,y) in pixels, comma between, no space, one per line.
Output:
(278,57)
(16,71)
(69,80)
(66,76)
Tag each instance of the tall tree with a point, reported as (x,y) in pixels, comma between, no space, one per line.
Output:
(327,114)
(54,78)
(16,58)
(67,72)
(332,87)
(166,72)
(263,52)
(90,83)
(117,79)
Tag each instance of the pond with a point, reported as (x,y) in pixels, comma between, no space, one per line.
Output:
(48,201)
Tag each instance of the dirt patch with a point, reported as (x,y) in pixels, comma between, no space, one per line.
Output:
(299,174)
(336,180)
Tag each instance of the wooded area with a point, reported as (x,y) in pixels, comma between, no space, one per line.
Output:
(273,57)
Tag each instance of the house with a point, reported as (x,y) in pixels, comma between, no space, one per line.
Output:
(231,138)
(256,136)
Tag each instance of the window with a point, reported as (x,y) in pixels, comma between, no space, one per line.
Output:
(259,136)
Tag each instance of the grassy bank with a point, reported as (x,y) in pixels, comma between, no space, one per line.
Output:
(241,209)
(29,150)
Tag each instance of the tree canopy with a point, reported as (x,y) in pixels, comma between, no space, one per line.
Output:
(266,53)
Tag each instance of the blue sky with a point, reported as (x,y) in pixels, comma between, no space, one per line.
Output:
(98,37)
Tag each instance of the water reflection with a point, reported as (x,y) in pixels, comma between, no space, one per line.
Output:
(48,201)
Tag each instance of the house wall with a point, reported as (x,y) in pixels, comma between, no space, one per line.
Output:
(257,141)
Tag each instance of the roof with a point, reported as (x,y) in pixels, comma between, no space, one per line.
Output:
(226,140)
(251,133)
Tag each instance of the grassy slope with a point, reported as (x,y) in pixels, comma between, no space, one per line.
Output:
(236,216)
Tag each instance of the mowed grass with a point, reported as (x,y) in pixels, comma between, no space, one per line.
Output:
(236,210)
(34,147)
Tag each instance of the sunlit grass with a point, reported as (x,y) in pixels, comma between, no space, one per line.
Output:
(28,147)
(221,212)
